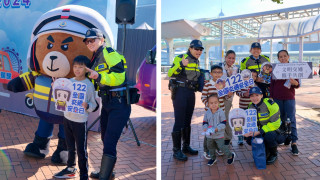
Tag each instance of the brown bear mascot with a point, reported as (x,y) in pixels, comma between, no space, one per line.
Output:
(57,38)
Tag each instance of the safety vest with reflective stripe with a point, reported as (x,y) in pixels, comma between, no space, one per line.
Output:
(268,113)
(191,72)
(251,63)
(111,66)
(42,96)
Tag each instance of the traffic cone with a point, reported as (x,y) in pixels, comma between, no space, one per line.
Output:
(314,72)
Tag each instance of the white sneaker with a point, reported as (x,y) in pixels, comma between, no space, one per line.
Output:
(206,155)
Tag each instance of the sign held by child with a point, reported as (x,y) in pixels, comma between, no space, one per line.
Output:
(234,83)
(69,96)
(243,121)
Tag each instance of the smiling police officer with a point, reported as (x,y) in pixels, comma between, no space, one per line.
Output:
(186,73)
(108,72)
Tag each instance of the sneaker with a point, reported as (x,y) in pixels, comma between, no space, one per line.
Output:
(230,161)
(219,152)
(67,173)
(212,161)
(206,155)
(294,150)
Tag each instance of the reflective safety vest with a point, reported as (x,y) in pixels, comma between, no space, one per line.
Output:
(191,72)
(42,96)
(111,66)
(251,63)
(268,114)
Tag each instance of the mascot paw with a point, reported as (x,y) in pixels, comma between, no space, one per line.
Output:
(60,157)
(34,151)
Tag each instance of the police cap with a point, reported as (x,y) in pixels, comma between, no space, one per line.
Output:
(255,90)
(196,44)
(93,33)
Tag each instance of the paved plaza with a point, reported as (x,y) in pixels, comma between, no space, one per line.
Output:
(304,166)
(133,162)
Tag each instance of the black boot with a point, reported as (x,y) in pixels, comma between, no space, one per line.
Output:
(39,143)
(107,165)
(95,175)
(273,155)
(60,155)
(186,133)
(177,153)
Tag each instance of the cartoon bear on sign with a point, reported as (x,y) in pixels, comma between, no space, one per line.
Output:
(57,38)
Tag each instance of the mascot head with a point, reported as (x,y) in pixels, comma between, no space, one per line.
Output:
(57,38)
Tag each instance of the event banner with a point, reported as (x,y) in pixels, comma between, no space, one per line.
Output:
(302,70)
(243,121)
(234,83)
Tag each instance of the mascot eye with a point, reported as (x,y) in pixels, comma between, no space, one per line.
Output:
(58,95)
(65,47)
(65,96)
(49,46)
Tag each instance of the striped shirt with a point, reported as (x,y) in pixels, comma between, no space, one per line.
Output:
(244,101)
(209,89)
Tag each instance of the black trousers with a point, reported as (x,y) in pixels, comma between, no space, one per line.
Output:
(271,139)
(115,113)
(76,139)
(183,105)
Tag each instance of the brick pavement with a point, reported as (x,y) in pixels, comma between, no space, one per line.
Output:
(304,166)
(133,162)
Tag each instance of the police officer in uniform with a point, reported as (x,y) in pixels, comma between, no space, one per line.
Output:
(185,70)
(255,60)
(108,72)
(268,121)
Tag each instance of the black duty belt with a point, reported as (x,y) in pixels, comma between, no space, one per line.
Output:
(121,93)
(187,85)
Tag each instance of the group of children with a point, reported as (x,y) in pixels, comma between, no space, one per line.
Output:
(215,124)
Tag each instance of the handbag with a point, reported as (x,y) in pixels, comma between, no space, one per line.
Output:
(259,152)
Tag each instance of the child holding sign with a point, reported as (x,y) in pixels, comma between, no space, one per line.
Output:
(75,123)
(209,89)
(244,100)
(214,123)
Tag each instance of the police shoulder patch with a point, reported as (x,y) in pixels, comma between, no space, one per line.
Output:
(101,66)
(270,101)
(180,56)
(110,50)
(243,60)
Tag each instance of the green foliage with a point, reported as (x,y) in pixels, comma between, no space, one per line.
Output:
(276,1)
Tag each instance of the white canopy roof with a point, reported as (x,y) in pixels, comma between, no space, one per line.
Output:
(183,29)
(291,28)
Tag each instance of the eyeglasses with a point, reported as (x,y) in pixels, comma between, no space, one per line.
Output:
(89,41)
(198,49)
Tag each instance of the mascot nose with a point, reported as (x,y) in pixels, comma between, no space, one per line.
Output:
(53,57)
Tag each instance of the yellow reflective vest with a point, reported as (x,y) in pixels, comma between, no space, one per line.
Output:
(251,63)
(111,68)
(191,72)
(268,114)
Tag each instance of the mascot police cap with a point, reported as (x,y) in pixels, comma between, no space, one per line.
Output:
(70,19)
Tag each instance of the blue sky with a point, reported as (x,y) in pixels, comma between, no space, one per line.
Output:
(194,9)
